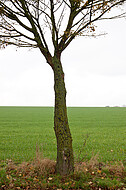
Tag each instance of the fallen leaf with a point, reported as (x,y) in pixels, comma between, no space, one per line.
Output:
(90,183)
(7,177)
(35,179)
(67,183)
(99,171)
(50,178)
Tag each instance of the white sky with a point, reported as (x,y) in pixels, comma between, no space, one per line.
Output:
(95,72)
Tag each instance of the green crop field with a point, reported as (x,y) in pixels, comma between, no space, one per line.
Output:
(22,128)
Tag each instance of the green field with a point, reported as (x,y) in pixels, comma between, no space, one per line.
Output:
(22,128)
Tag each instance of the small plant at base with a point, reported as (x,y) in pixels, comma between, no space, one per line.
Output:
(79,159)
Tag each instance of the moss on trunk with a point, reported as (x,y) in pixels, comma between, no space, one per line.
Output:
(65,159)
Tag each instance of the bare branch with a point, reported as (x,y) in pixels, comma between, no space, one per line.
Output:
(54,29)
(27,22)
(60,19)
(123,15)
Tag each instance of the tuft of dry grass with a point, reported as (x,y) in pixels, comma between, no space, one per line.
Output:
(44,166)
(115,169)
(39,166)
(40,174)
(93,165)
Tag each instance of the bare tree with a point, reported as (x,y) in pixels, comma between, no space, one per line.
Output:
(51,25)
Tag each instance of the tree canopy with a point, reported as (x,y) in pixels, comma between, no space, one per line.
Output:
(36,23)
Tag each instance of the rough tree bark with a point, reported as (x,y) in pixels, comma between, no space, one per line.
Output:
(65,158)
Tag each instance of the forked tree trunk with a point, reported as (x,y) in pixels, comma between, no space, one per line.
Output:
(65,159)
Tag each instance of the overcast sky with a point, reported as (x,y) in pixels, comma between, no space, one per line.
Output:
(95,72)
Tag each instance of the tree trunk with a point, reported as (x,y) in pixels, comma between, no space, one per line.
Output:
(65,159)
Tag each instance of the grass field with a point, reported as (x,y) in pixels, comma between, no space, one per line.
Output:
(21,128)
